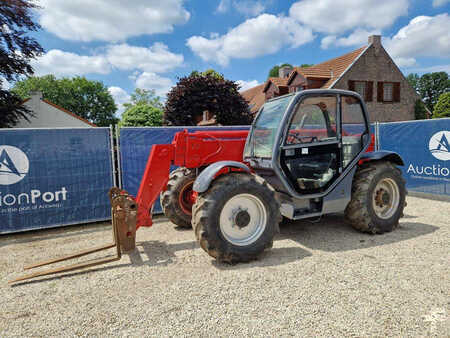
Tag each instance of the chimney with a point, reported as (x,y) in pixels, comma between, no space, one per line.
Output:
(284,71)
(375,40)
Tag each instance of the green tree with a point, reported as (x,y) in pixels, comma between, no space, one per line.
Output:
(431,86)
(16,51)
(442,107)
(210,72)
(197,93)
(306,65)
(420,111)
(413,80)
(87,98)
(144,110)
(273,72)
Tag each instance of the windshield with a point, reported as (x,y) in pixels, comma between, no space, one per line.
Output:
(265,128)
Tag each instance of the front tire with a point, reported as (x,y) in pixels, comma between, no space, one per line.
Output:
(378,198)
(177,199)
(237,218)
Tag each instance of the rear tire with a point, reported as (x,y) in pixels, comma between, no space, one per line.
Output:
(378,198)
(237,218)
(175,201)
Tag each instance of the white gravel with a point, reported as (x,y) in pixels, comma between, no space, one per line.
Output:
(322,279)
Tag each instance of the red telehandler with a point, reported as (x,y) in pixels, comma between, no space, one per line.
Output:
(307,154)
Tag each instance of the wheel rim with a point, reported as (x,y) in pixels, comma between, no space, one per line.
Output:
(186,198)
(386,198)
(243,219)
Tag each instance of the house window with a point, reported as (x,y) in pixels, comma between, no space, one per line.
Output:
(360,88)
(363,88)
(388,92)
(388,89)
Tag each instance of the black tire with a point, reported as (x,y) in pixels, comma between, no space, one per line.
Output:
(207,209)
(175,210)
(360,212)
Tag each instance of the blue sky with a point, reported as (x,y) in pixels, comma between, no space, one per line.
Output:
(149,43)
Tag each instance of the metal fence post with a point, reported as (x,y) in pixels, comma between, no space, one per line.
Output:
(113,156)
(377,136)
(119,160)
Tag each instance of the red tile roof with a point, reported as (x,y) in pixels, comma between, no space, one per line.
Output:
(331,69)
(255,97)
(277,81)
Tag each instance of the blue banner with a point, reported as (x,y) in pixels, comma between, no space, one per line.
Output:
(54,177)
(425,149)
(135,147)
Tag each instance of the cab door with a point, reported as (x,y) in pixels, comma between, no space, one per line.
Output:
(311,156)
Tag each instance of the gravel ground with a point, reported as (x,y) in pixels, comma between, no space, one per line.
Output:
(321,279)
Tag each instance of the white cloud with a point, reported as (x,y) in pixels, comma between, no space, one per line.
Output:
(224,6)
(431,69)
(334,17)
(248,8)
(62,63)
(357,38)
(157,58)
(438,3)
(110,20)
(244,85)
(148,80)
(423,36)
(265,34)
(405,62)
(120,97)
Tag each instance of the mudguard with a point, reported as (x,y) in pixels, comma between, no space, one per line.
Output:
(382,155)
(205,178)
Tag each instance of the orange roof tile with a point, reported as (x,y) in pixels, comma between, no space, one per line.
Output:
(277,81)
(255,97)
(331,69)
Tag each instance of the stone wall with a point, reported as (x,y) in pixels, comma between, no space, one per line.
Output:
(376,65)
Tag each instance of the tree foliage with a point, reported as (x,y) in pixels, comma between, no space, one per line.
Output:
(207,72)
(197,93)
(16,51)
(430,86)
(413,80)
(144,110)
(442,107)
(273,72)
(420,111)
(87,98)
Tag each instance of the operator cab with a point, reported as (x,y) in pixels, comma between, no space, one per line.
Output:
(301,143)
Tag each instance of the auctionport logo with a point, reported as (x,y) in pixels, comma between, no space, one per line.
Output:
(14,165)
(439,145)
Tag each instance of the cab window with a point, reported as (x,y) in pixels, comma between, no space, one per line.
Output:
(314,121)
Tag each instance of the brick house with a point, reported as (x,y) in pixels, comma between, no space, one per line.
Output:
(369,70)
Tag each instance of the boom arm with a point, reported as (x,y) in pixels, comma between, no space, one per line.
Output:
(190,150)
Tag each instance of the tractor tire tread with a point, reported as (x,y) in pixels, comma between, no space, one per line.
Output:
(358,212)
(203,212)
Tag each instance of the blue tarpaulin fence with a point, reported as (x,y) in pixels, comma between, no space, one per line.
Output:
(135,147)
(425,149)
(54,177)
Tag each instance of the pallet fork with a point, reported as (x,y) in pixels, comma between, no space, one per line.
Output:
(123,211)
